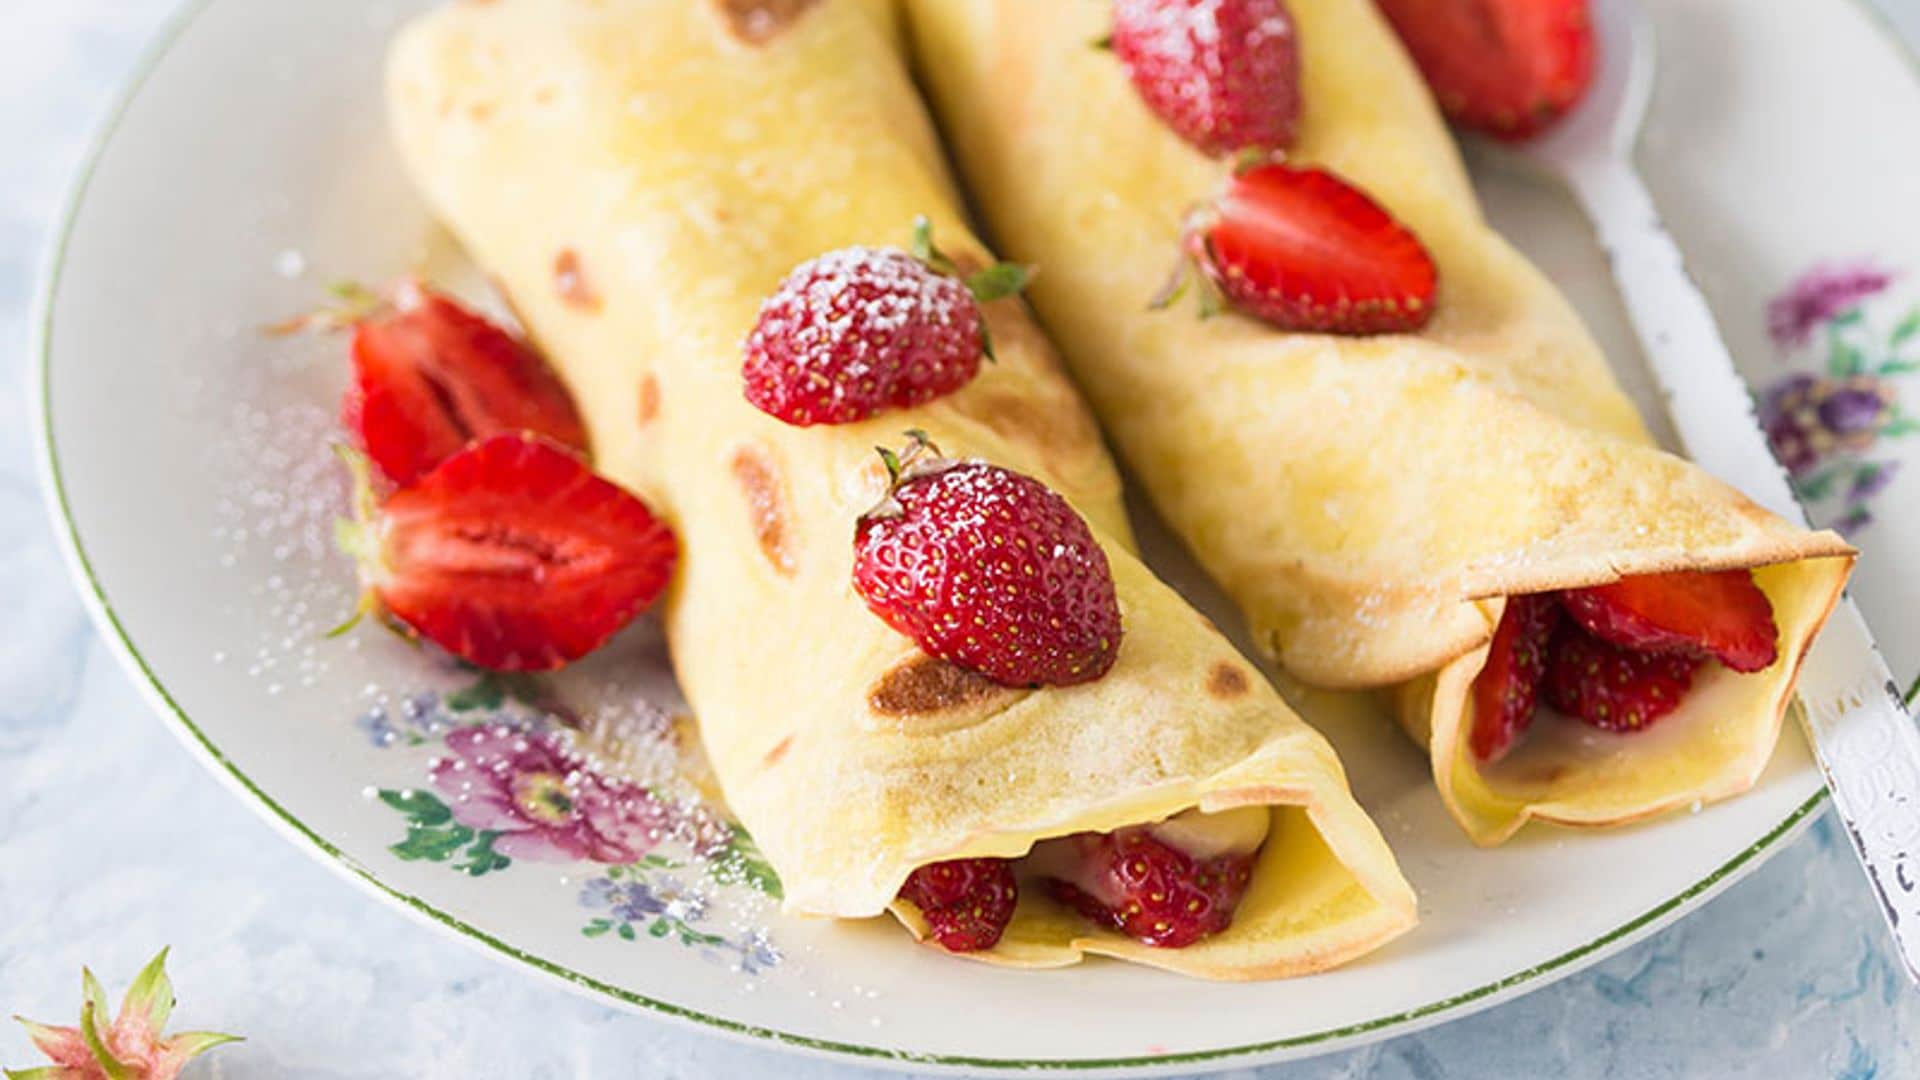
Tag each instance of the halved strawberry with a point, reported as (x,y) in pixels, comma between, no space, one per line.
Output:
(967,902)
(430,376)
(1506,67)
(1508,688)
(1145,888)
(1611,687)
(1722,613)
(1305,251)
(511,554)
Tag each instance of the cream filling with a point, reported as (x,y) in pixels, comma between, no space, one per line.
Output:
(1200,836)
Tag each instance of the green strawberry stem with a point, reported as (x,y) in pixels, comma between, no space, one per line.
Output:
(996,282)
(356,304)
(360,538)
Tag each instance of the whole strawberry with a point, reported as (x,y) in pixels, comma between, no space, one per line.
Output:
(1223,74)
(511,554)
(967,902)
(1152,891)
(1509,68)
(860,330)
(989,570)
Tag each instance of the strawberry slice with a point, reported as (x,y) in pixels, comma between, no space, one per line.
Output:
(1305,251)
(1722,613)
(511,554)
(1508,688)
(1505,67)
(430,376)
(1146,888)
(1611,687)
(967,902)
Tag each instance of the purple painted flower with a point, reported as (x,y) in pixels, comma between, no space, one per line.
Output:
(1808,418)
(546,803)
(1792,445)
(1855,409)
(758,952)
(1817,296)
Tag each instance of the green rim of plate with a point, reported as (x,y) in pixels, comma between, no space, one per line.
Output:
(1558,966)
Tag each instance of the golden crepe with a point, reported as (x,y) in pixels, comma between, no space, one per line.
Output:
(1366,501)
(638,175)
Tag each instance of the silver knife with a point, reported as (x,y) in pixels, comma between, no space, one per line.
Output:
(1862,735)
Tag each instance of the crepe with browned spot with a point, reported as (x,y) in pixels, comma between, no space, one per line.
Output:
(1366,501)
(682,171)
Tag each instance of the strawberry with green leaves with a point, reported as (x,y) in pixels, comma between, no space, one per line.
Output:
(989,570)
(861,330)
(1223,74)
(1509,68)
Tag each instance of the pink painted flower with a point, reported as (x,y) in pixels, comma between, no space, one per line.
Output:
(546,803)
(129,1047)
(1817,296)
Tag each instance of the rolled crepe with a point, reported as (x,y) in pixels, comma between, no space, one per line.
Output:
(1366,501)
(639,175)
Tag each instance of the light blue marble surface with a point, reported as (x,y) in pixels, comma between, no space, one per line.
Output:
(114,842)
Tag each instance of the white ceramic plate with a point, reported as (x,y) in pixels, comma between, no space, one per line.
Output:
(185,461)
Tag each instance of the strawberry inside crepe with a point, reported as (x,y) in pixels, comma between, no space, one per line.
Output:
(1619,657)
(1168,884)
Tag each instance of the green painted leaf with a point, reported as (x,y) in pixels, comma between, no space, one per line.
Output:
(1906,329)
(1816,486)
(626,931)
(1843,359)
(422,808)
(481,858)
(742,861)
(596,928)
(660,928)
(486,692)
(1897,366)
(432,844)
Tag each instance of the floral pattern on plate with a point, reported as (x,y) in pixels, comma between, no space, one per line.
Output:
(519,778)
(1827,422)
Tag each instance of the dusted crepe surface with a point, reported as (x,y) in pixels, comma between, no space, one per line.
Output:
(638,176)
(1351,494)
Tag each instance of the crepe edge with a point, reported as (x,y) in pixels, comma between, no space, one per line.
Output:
(1450,685)
(1399,665)
(1342,825)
